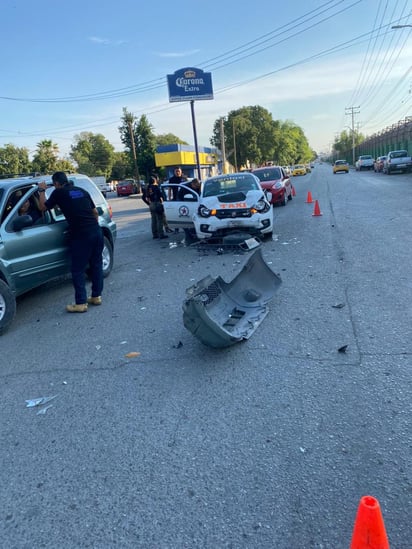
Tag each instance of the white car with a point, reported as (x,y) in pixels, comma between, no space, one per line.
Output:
(228,203)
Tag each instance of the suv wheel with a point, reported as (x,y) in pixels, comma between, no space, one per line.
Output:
(7,306)
(107,257)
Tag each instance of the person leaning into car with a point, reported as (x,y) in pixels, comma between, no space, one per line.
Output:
(85,237)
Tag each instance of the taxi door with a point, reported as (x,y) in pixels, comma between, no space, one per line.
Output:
(180,204)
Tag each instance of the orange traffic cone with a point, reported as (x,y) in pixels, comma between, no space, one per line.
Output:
(309,198)
(293,191)
(369,530)
(316,209)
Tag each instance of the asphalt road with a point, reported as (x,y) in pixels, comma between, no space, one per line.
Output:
(270,443)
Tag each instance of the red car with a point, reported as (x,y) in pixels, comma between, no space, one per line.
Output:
(126,187)
(275,180)
(378,165)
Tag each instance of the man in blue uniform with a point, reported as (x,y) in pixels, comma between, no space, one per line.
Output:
(85,238)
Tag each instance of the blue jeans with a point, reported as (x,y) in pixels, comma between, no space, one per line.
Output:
(86,251)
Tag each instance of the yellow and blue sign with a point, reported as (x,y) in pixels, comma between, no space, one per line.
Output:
(189,84)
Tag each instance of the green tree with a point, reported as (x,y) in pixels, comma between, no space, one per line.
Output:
(127,132)
(249,136)
(64,165)
(45,157)
(139,141)
(121,166)
(343,144)
(93,154)
(146,146)
(169,139)
(14,160)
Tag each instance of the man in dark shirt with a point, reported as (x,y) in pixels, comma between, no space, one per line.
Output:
(154,199)
(195,185)
(85,237)
(177,178)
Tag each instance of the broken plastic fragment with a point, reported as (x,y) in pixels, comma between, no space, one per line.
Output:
(38,401)
(44,410)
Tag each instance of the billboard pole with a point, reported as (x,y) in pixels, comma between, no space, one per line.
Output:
(192,108)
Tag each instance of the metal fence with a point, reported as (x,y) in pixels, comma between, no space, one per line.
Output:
(392,138)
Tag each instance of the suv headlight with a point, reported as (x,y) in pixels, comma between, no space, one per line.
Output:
(204,212)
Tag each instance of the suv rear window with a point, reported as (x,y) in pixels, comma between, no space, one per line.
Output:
(268,175)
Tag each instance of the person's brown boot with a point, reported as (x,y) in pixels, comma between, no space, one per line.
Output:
(95,300)
(77,308)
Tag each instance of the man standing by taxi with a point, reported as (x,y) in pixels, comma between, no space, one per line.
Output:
(85,234)
(177,178)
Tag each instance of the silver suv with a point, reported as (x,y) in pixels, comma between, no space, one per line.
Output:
(33,244)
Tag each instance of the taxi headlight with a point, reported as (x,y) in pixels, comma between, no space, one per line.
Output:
(204,212)
(261,206)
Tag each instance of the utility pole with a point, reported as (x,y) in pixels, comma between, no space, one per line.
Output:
(352,112)
(136,167)
(222,145)
(234,143)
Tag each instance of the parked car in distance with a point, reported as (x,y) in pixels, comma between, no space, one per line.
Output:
(397,161)
(33,252)
(101,184)
(340,166)
(299,169)
(227,204)
(274,180)
(287,170)
(127,187)
(364,162)
(378,164)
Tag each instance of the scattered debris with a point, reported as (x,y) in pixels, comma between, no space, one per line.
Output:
(180,344)
(132,354)
(44,410)
(338,306)
(38,401)
(342,349)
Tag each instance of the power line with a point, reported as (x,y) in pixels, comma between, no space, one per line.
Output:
(160,82)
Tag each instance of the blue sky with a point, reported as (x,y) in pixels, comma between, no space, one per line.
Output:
(304,61)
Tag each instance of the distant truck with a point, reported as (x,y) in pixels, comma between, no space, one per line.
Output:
(101,184)
(397,161)
(364,162)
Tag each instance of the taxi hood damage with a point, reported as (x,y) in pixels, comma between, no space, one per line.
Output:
(222,313)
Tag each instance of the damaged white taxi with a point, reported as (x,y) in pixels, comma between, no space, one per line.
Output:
(228,203)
